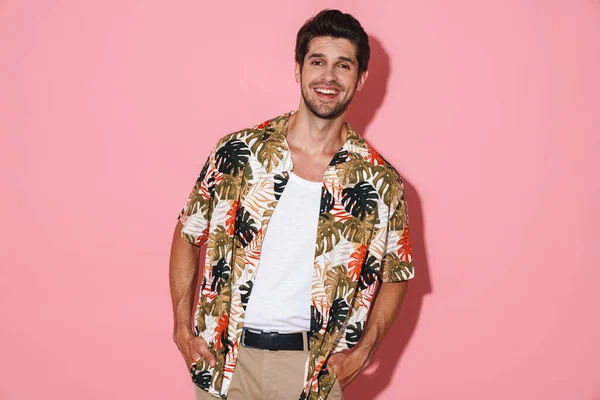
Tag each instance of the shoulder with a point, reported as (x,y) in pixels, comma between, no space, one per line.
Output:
(250,136)
(380,173)
(363,150)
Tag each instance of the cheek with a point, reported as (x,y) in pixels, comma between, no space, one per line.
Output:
(309,75)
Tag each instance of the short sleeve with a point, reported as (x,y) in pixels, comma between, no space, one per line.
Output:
(196,213)
(397,265)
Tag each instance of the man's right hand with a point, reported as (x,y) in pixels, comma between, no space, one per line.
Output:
(192,348)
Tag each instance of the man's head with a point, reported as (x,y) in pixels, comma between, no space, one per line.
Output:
(332,57)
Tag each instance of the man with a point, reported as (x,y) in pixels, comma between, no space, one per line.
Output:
(282,312)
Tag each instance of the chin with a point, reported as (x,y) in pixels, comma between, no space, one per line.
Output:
(329,114)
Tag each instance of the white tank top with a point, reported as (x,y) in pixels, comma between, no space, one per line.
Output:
(281,297)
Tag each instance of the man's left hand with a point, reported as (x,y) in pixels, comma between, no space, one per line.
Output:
(348,364)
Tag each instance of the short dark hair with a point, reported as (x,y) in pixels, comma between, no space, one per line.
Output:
(336,24)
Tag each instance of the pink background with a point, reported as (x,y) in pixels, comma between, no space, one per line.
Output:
(489,109)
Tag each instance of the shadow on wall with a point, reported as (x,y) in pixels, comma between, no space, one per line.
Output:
(363,109)
(365,104)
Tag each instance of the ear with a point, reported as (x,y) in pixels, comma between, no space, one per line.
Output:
(297,72)
(361,81)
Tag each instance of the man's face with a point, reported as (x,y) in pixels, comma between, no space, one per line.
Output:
(329,76)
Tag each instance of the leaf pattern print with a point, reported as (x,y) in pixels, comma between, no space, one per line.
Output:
(231,216)
(228,187)
(245,227)
(328,233)
(271,151)
(245,291)
(201,378)
(326,378)
(362,239)
(357,231)
(353,334)
(232,156)
(281,181)
(316,320)
(339,158)
(220,304)
(337,313)
(203,172)
(398,221)
(397,270)
(356,263)
(388,183)
(360,200)
(219,243)
(338,282)
(327,202)
(220,275)
(221,331)
(370,272)
(354,171)
(404,249)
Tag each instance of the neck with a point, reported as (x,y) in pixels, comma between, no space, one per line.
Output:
(316,135)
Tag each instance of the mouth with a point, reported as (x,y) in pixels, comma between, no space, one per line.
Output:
(326,93)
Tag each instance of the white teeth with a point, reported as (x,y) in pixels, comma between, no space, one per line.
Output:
(326,91)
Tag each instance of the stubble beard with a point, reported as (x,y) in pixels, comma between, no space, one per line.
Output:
(325,113)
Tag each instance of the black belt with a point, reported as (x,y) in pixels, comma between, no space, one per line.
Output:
(273,340)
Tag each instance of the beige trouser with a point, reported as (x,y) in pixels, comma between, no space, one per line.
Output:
(268,375)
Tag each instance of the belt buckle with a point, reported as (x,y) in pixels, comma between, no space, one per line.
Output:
(244,330)
(273,345)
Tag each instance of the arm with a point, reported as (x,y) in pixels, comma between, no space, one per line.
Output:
(349,363)
(183,276)
(385,309)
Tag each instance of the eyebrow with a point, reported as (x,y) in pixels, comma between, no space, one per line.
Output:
(341,58)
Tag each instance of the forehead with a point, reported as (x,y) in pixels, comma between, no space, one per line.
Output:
(331,47)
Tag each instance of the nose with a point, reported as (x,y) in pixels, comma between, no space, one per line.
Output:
(330,73)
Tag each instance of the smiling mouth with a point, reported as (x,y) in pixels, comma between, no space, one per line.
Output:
(327,93)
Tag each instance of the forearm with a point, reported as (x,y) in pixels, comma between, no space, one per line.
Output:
(183,276)
(383,313)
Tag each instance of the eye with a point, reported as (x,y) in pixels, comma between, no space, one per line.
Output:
(345,66)
(316,62)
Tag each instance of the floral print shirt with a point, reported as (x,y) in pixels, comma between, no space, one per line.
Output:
(362,240)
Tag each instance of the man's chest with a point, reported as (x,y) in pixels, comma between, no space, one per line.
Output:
(310,167)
